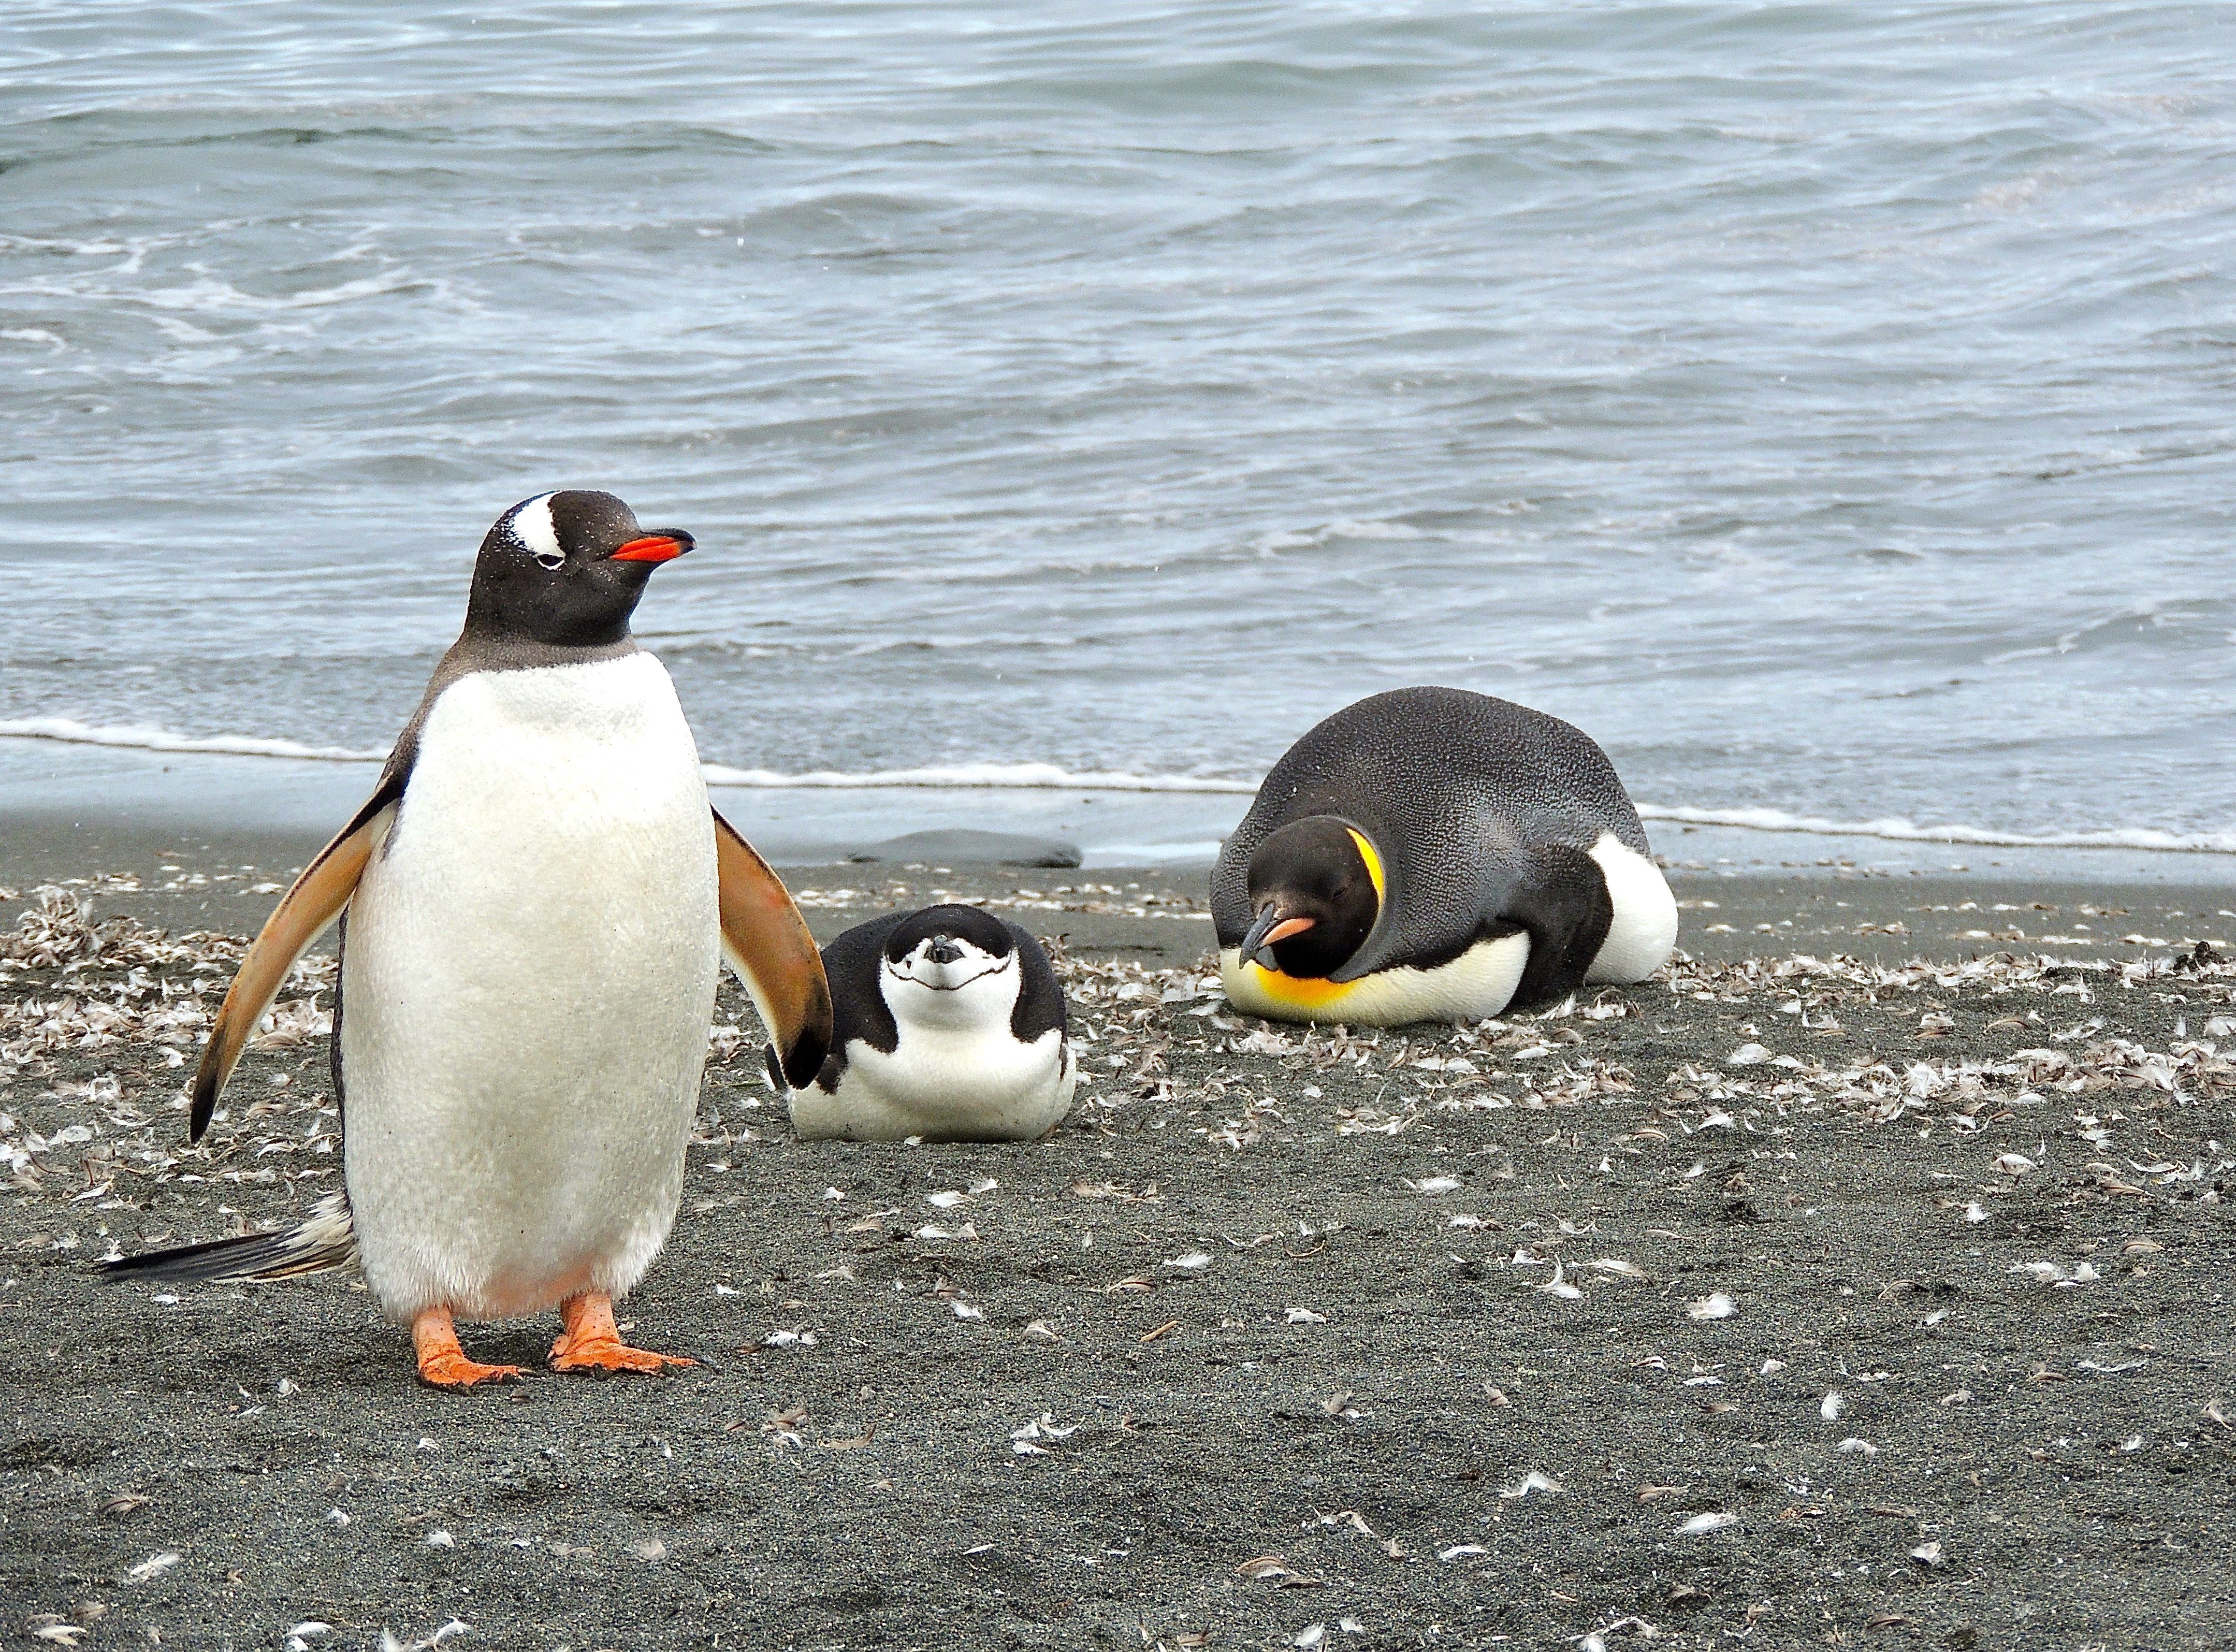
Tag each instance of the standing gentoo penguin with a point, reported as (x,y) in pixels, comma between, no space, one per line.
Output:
(946,1023)
(1430,854)
(540,897)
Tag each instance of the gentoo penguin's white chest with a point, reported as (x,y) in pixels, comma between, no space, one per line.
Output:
(529,973)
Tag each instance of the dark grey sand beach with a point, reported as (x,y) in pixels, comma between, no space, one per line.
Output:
(1862,1281)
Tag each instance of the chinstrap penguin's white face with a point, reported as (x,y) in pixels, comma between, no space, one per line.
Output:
(945,981)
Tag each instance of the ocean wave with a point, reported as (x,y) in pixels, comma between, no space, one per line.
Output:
(1048,777)
(1900,831)
(210,296)
(961,777)
(135,738)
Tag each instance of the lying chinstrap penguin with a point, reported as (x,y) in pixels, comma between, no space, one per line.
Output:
(947,1023)
(1430,854)
(539,900)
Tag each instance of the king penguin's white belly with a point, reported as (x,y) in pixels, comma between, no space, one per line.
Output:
(1476,985)
(944,1086)
(528,974)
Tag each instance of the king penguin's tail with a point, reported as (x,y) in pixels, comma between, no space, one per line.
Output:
(324,1241)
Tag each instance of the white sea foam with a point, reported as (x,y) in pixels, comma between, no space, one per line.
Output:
(1900,831)
(1034,776)
(136,738)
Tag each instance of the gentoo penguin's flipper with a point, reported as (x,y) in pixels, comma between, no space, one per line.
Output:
(303,915)
(767,944)
(1562,899)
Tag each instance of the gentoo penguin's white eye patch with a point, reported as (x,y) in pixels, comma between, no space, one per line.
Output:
(532,526)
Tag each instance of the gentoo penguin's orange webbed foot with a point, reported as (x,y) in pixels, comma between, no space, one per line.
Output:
(592,1342)
(442,1363)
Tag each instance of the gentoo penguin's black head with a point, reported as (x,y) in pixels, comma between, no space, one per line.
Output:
(950,965)
(566,569)
(1316,888)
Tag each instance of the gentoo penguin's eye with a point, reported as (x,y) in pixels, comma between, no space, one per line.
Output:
(549,560)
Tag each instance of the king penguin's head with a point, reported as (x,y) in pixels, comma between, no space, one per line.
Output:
(951,967)
(566,569)
(1316,888)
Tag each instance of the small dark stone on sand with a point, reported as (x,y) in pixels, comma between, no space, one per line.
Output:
(963,846)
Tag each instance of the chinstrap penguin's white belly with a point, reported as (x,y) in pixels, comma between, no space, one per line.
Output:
(528,974)
(979,1085)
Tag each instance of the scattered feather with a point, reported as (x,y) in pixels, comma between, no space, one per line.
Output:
(1558,1285)
(1533,1481)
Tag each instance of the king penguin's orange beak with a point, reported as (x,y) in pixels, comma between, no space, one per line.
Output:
(1270,927)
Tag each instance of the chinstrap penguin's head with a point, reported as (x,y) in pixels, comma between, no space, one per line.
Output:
(1316,888)
(566,569)
(951,967)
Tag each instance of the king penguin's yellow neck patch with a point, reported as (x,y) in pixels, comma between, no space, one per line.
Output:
(1373,865)
(1294,991)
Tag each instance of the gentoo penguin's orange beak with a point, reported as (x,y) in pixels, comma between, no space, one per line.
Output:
(662,547)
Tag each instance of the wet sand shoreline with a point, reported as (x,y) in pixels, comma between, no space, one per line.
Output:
(1811,1294)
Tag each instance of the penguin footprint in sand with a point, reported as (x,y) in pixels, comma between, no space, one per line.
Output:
(946,1023)
(1430,854)
(540,899)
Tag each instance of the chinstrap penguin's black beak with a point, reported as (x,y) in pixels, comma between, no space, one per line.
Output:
(1272,924)
(661,545)
(943,950)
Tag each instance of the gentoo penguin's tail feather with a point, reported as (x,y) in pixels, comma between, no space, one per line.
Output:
(324,1241)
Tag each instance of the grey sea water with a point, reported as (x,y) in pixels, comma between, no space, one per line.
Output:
(1825,405)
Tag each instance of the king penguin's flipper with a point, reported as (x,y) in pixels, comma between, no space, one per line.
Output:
(1562,899)
(767,942)
(304,913)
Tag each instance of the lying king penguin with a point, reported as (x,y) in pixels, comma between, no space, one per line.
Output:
(1430,854)
(539,900)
